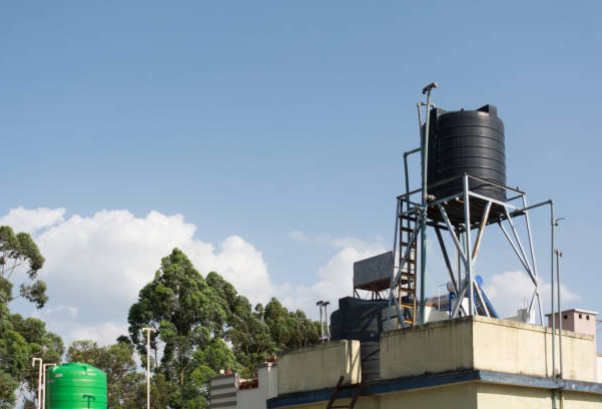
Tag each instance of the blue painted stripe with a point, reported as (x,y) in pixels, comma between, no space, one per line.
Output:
(433,380)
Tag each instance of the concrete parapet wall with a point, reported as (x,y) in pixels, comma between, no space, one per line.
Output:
(319,366)
(435,347)
(487,344)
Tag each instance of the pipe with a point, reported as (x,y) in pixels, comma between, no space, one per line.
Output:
(424,144)
(325,304)
(468,250)
(39,390)
(319,304)
(558,255)
(553,222)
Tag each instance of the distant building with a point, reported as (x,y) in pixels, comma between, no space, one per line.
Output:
(229,391)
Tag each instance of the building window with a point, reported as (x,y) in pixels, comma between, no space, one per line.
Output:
(587,317)
(580,316)
(565,317)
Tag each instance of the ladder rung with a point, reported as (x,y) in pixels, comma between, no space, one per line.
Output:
(405,243)
(346,406)
(409,321)
(409,261)
(409,230)
(408,306)
(407,290)
(408,217)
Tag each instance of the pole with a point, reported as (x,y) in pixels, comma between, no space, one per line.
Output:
(148,332)
(319,304)
(558,255)
(469,274)
(553,222)
(326,304)
(33,363)
(44,366)
(424,142)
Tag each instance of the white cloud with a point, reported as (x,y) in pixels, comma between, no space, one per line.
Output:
(298,235)
(335,278)
(338,243)
(31,220)
(105,333)
(95,266)
(60,310)
(100,263)
(238,262)
(512,290)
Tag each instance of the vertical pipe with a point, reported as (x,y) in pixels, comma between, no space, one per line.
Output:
(424,143)
(33,363)
(558,255)
(148,370)
(148,332)
(326,320)
(553,222)
(468,251)
(321,323)
(459,270)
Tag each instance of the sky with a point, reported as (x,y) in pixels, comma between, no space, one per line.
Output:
(266,140)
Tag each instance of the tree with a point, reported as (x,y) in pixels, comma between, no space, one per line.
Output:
(289,330)
(21,340)
(188,316)
(196,318)
(18,252)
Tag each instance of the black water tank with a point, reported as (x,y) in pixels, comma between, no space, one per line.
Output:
(470,142)
(362,320)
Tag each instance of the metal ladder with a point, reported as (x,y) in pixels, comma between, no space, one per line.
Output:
(338,388)
(406,296)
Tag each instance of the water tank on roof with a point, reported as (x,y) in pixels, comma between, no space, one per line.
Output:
(362,320)
(76,386)
(470,142)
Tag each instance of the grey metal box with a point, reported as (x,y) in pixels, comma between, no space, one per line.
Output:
(373,270)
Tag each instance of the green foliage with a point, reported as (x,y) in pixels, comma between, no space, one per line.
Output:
(188,316)
(21,340)
(18,252)
(195,317)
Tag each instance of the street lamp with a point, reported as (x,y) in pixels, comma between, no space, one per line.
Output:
(319,304)
(33,363)
(148,332)
(325,304)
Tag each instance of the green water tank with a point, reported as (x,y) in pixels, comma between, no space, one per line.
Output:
(76,386)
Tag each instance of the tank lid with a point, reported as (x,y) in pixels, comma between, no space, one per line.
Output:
(490,109)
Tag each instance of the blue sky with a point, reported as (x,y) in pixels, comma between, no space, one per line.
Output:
(257,119)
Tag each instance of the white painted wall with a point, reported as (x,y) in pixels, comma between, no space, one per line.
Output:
(267,377)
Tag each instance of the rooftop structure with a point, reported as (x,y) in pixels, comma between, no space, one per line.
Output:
(229,391)
(469,362)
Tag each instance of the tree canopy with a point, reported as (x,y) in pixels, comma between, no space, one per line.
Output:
(198,318)
(19,253)
(22,339)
